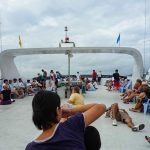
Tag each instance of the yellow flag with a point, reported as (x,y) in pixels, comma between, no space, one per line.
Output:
(20,42)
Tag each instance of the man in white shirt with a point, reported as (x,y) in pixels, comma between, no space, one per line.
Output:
(78,76)
(99,74)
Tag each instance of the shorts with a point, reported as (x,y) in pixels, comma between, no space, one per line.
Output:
(123,116)
(116,83)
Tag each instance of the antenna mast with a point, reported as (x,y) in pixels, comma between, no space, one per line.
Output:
(1,48)
(144,40)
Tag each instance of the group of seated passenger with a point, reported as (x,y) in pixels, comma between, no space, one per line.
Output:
(130,93)
(52,86)
(85,84)
(90,85)
(110,84)
(140,93)
(16,89)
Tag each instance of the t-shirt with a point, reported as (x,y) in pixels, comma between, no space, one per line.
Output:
(94,74)
(116,76)
(76,99)
(68,135)
(28,84)
(6,95)
(99,74)
(21,85)
(15,84)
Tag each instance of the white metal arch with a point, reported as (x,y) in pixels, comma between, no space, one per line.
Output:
(9,69)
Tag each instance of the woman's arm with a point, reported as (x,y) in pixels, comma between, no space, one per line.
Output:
(70,102)
(91,112)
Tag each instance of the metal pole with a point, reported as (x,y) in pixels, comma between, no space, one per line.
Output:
(69,67)
(144,41)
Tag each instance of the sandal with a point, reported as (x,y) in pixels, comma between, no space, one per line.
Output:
(147,138)
(125,102)
(133,110)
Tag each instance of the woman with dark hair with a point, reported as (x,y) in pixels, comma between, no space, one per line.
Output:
(57,135)
(5,95)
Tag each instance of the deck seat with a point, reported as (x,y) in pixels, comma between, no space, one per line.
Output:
(146,106)
(124,88)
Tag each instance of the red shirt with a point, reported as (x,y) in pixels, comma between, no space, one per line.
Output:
(94,74)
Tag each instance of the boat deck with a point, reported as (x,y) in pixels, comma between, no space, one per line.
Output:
(17,129)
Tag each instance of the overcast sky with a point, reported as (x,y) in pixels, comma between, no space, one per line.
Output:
(40,23)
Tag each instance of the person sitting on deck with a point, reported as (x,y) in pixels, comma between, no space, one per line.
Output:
(76,132)
(40,80)
(5,82)
(14,91)
(95,84)
(5,95)
(18,88)
(123,82)
(76,99)
(90,86)
(21,86)
(109,85)
(129,94)
(52,87)
(29,88)
(142,98)
(36,85)
(121,115)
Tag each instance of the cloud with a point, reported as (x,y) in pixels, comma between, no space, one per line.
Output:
(90,23)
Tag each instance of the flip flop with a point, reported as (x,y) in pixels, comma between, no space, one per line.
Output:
(147,138)
(125,102)
(133,110)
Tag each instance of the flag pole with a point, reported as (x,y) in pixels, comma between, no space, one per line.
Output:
(144,49)
(20,42)
(119,39)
